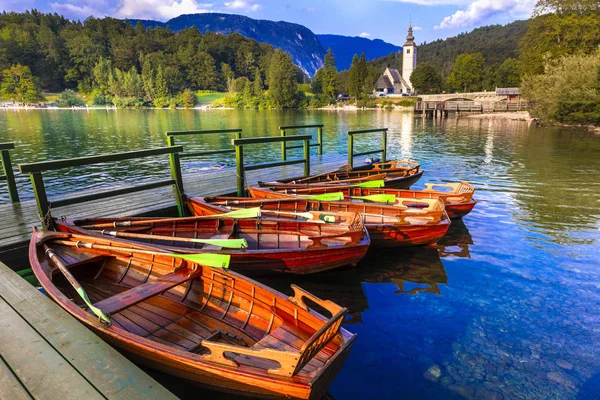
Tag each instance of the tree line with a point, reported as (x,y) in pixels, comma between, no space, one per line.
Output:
(114,62)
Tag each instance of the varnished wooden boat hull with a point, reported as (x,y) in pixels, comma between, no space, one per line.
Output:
(167,330)
(382,235)
(264,261)
(391,181)
(233,382)
(456,209)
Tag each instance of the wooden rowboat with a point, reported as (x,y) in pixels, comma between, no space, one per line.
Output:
(423,222)
(395,174)
(207,325)
(270,245)
(457,197)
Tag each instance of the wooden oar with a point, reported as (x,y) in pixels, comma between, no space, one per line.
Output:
(308,215)
(377,198)
(379,183)
(336,196)
(227,243)
(253,212)
(207,259)
(76,285)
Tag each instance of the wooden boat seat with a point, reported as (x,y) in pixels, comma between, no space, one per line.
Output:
(146,290)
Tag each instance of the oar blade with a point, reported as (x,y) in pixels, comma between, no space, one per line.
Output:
(98,312)
(253,212)
(210,260)
(378,198)
(225,243)
(376,184)
(335,196)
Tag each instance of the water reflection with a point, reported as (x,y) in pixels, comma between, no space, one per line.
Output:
(456,242)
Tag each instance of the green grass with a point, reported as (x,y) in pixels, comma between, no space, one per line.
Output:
(205,97)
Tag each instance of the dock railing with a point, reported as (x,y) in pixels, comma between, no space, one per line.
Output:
(175,158)
(285,147)
(383,149)
(9,175)
(35,171)
(240,168)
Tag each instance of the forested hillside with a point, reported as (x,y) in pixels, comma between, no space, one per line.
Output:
(127,65)
(495,42)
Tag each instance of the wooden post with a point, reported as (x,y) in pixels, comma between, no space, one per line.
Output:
(351,150)
(283,146)
(320,139)
(239,169)
(175,165)
(41,199)
(306,146)
(10,177)
(384,145)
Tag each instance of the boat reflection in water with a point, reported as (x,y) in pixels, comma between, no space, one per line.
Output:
(456,242)
(413,270)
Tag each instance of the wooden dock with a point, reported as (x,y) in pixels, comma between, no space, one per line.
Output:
(18,218)
(46,354)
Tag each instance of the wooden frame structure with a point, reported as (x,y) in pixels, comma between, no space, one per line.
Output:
(43,203)
(383,149)
(9,175)
(285,147)
(240,169)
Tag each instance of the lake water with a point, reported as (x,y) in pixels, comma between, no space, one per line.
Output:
(507,305)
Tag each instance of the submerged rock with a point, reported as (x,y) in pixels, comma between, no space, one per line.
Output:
(433,373)
(564,364)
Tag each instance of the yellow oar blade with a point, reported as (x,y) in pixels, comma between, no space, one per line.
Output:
(225,243)
(378,198)
(370,184)
(209,260)
(253,212)
(336,196)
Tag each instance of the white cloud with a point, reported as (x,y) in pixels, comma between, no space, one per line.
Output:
(435,2)
(160,9)
(242,5)
(417,28)
(80,9)
(480,10)
(365,35)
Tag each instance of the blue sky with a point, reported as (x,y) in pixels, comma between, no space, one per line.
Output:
(383,19)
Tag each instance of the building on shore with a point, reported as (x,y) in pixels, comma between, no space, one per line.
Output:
(512,94)
(391,81)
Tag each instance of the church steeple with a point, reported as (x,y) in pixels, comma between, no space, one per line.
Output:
(410,39)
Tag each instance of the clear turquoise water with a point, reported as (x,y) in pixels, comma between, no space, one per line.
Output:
(506,306)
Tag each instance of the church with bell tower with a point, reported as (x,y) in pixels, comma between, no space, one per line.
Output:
(391,81)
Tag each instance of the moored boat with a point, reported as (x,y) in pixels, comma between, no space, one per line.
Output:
(400,174)
(266,245)
(457,197)
(407,222)
(177,314)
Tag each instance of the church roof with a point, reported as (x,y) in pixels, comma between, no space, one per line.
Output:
(410,39)
(383,83)
(395,75)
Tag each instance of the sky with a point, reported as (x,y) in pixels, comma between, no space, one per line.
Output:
(381,19)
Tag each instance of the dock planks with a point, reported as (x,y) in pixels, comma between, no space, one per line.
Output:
(46,354)
(17,219)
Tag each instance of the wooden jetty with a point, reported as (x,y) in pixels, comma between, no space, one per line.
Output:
(431,109)
(46,354)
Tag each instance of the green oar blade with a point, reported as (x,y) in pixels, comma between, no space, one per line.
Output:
(210,260)
(226,243)
(378,198)
(253,212)
(370,184)
(99,313)
(336,196)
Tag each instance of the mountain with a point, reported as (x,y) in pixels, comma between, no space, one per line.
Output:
(344,48)
(495,42)
(302,44)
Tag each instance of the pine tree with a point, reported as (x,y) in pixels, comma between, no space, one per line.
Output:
(283,88)
(161,90)
(353,80)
